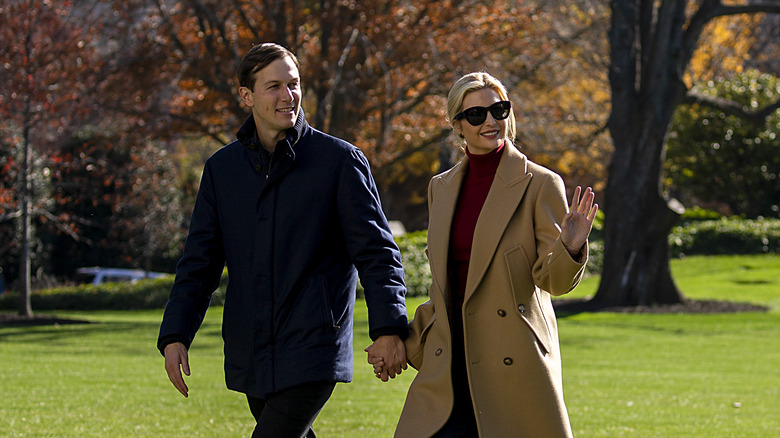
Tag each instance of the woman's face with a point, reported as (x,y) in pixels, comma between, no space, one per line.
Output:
(491,133)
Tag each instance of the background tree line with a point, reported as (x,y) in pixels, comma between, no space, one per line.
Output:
(110,108)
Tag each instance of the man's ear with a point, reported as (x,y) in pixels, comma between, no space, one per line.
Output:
(246,95)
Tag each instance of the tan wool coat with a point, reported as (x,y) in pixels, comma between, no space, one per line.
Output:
(510,331)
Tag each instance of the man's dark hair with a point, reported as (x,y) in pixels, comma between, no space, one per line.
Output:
(258,58)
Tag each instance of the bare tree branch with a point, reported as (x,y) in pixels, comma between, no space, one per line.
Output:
(731,107)
(60,226)
(12,215)
(751,7)
(327,103)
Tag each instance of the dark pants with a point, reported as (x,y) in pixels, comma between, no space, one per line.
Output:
(291,412)
(462,422)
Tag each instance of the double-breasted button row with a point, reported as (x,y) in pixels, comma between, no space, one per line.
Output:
(521,308)
(501,312)
(437,352)
(508,361)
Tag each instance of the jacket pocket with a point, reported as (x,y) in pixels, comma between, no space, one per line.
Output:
(418,348)
(524,293)
(330,320)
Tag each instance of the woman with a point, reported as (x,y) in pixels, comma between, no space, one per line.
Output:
(500,242)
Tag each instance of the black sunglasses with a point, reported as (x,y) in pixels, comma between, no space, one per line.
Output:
(476,115)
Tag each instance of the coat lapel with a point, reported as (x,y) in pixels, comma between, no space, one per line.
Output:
(506,192)
(442,210)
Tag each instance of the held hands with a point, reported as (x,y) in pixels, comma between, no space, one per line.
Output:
(176,361)
(578,222)
(388,356)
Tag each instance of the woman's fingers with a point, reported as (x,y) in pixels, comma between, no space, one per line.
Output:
(593,212)
(575,199)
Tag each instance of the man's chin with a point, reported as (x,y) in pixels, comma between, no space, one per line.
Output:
(287,119)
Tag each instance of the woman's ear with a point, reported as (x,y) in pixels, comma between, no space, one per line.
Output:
(458,128)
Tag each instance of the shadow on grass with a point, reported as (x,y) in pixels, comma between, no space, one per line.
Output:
(13,320)
(569,307)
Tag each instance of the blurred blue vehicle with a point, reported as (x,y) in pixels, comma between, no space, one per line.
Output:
(98,275)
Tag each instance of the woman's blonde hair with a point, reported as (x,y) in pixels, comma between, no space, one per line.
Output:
(474,82)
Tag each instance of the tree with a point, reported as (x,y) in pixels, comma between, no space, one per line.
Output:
(375,73)
(721,161)
(11,242)
(563,106)
(765,54)
(60,71)
(43,56)
(651,46)
(9,209)
(121,197)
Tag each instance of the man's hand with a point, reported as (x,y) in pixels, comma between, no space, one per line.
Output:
(176,361)
(388,350)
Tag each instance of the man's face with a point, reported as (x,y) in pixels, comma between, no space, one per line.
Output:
(276,98)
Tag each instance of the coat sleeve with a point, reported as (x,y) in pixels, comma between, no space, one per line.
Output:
(371,247)
(424,315)
(198,271)
(554,270)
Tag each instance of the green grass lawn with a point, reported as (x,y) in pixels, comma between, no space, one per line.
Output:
(625,375)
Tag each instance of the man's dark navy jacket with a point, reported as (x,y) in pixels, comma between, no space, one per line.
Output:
(291,230)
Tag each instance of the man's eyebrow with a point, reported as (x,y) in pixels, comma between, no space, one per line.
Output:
(280,81)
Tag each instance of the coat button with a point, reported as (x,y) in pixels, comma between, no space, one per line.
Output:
(501,313)
(508,361)
(521,308)
(438,352)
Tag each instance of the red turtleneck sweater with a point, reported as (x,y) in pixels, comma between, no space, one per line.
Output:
(473,192)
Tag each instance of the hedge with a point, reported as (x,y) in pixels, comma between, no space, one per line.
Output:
(726,236)
(143,294)
(417,272)
(695,237)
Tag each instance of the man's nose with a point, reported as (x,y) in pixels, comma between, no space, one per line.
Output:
(288,93)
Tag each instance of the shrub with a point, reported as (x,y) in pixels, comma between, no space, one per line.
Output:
(726,236)
(595,257)
(717,158)
(143,294)
(697,213)
(417,271)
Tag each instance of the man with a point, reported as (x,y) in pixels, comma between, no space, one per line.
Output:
(292,212)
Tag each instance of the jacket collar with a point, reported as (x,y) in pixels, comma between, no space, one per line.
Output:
(247,133)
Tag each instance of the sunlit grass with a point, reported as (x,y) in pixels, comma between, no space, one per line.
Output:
(625,375)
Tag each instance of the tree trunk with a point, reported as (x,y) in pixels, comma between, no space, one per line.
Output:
(637,217)
(646,89)
(636,251)
(651,44)
(25,265)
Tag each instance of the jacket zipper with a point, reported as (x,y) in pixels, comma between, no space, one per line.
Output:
(270,164)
